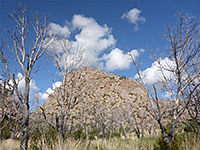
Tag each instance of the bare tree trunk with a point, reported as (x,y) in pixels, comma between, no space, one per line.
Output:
(24,135)
(130,133)
(25,122)
(103,130)
(86,132)
(124,131)
(136,129)
(154,132)
(97,129)
(142,128)
(61,126)
(71,126)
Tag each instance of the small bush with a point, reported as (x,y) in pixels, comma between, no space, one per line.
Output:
(161,144)
(79,134)
(122,78)
(44,137)
(116,134)
(6,133)
(112,78)
(190,124)
(176,144)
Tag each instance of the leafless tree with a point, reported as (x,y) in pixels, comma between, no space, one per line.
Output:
(183,53)
(132,119)
(71,92)
(26,57)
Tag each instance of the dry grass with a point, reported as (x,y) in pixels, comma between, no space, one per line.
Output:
(101,144)
(71,144)
(9,145)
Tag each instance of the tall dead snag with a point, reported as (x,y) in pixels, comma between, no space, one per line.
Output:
(184,51)
(26,56)
(71,92)
(183,67)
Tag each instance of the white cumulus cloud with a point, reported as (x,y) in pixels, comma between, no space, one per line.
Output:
(56,84)
(58,31)
(90,36)
(45,95)
(21,84)
(93,38)
(97,43)
(133,16)
(154,74)
(34,90)
(118,60)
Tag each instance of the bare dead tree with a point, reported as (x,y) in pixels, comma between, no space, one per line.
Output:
(133,121)
(26,57)
(71,92)
(99,111)
(183,53)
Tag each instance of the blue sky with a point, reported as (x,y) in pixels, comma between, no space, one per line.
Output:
(111,18)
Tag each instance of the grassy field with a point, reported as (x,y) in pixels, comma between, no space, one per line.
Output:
(101,144)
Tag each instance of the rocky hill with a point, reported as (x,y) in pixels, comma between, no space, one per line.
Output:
(107,88)
(107,99)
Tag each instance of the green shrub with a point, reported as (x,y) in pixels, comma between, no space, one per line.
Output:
(34,139)
(112,78)
(6,133)
(116,134)
(176,144)
(79,134)
(39,138)
(161,144)
(190,124)
(122,77)
(92,134)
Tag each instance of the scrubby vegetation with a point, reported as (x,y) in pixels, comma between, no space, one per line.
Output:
(48,139)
